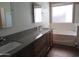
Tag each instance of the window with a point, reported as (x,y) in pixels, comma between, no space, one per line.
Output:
(62,14)
(37,15)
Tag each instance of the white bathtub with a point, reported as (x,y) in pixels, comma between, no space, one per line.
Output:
(64,37)
(71,33)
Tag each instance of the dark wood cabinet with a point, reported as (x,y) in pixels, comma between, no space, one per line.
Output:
(41,46)
(38,48)
(50,38)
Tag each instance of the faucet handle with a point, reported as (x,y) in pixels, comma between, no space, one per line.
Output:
(2,38)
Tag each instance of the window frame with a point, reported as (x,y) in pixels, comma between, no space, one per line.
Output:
(56,4)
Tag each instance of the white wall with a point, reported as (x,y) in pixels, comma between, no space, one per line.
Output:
(45,15)
(21,17)
(76,13)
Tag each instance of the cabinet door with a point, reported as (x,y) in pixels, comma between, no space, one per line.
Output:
(50,38)
(41,46)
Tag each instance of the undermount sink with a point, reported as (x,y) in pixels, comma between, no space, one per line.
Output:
(9,47)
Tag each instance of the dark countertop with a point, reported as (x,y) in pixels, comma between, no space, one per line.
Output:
(30,38)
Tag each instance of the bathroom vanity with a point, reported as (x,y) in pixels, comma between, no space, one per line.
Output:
(39,47)
(35,44)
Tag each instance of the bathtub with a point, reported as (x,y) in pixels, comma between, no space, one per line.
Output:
(64,37)
(71,33)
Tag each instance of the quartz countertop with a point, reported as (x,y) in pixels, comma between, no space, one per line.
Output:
(30,38)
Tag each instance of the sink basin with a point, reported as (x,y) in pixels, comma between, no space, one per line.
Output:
(9,46)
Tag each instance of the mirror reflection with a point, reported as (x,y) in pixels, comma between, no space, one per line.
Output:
(5,15)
